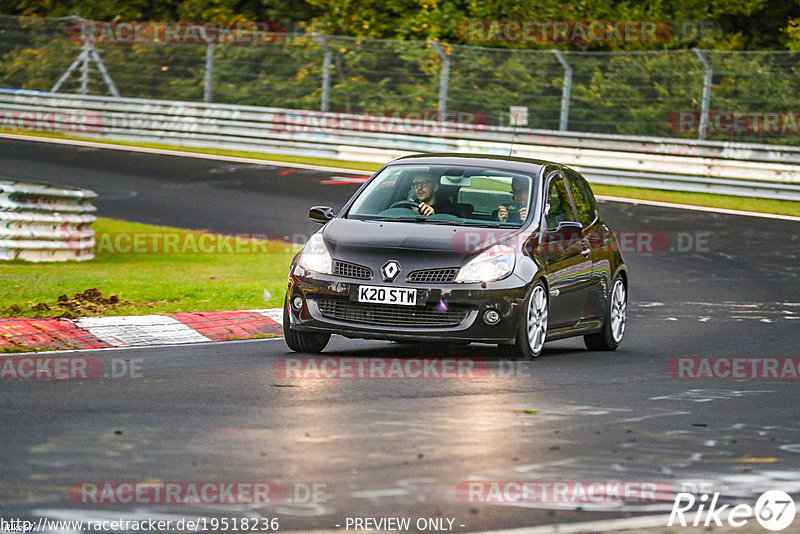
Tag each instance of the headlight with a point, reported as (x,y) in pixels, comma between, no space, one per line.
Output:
(491,264)
(315,256)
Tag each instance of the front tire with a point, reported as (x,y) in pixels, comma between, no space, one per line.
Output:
(532,332)
(301,341)
(614,325)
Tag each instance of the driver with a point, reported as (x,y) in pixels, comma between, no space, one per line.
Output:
(426,187)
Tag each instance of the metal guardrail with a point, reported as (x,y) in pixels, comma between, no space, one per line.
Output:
(39,222)
(763,171)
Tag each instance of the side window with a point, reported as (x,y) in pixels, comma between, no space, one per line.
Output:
(559,208)
(381,197)
(584,200)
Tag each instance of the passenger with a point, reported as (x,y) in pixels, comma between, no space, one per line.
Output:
(519,190)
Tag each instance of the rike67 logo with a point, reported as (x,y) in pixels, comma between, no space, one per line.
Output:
(774,510)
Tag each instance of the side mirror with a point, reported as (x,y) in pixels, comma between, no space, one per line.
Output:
(321,214)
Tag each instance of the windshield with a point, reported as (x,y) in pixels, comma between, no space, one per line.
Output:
(446,195)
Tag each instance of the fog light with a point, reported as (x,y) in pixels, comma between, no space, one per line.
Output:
(297,303)
(491,317)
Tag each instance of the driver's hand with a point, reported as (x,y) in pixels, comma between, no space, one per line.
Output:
(502,213)
(426,209)
(523,213)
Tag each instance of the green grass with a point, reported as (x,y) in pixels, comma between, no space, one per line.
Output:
(146,283)
(760,205)
(781,207)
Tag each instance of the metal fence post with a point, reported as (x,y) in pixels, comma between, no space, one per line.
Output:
(88,54)
(444,78)
(103,71)
(209,78)
(704,104)
(81,62)
(85,68)
(326,70)
(566,90)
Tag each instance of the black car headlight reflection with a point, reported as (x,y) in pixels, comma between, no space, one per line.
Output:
(315,256)
(492,264)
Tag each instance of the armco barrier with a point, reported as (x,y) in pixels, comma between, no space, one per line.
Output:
(39,222)
(764,171)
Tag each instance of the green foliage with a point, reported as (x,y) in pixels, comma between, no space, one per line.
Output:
(738,24)
(793,34)
(382,63)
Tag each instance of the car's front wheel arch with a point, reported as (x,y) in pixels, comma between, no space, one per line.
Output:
(532,324)
(300,341)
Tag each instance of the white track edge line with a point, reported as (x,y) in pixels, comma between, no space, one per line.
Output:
(168,152)
(699,208)
(201,155)
(133,347)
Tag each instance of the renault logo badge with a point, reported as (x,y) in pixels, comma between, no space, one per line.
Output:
(390,270)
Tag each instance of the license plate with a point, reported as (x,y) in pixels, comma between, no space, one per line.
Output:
(387,295)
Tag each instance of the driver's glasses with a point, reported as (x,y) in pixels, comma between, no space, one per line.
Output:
(416,185)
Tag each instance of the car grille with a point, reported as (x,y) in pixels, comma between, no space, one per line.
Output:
(431,315)
(432,276)
(351,270)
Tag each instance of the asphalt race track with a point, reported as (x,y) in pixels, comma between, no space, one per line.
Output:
(715,286)
(183,192)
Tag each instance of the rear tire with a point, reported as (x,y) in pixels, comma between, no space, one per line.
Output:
(301,341)
(616,317)
(532,332)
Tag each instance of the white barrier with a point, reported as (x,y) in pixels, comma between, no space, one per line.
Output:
(40,223)
(686,165)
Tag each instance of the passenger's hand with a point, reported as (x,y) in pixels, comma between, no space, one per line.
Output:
(502,213)
(426,209)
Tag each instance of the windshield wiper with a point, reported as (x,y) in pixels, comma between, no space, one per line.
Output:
(453,222)
(446,221)
(492,224)
(398,219)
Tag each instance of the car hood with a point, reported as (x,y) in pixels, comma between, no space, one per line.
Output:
(420,244)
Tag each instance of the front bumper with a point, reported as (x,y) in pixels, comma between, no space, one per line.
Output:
(448,312)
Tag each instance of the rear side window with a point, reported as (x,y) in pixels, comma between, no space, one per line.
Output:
(559,208)
(584,200)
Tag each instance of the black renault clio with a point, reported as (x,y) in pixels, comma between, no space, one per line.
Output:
(461,249)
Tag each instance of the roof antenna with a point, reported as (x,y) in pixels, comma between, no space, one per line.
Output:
(518,115)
